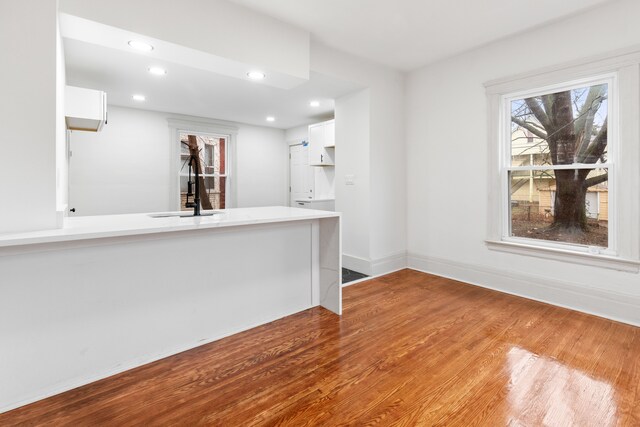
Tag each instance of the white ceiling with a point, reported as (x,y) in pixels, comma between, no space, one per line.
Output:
(197,92)
(407,34)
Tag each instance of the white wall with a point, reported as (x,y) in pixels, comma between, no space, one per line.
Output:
(384,187)
(62,173)
(28,115)
(447,161)
(352,154)
(263,167)
(297,134)
(125,168)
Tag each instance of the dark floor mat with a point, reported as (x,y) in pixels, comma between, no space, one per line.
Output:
(350,275)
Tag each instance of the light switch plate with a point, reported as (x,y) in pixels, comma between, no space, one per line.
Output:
(350,180)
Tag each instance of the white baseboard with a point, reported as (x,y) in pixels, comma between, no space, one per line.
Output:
(393,262)
(376,267)
(611,305)
(358,264)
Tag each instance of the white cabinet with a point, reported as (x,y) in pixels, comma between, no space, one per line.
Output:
(330,134)
(322,144)
(85,109)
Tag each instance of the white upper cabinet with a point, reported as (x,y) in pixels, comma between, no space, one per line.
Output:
(316,144)
(330,134)
(85,109)
(322,144)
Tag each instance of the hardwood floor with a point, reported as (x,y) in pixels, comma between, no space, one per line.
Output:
(410,349)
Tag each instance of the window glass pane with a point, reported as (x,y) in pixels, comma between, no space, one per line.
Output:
(566,206)
(211,154)
(210,149)
(560,128)
(215,191)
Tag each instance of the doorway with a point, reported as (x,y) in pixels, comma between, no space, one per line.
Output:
(299,174)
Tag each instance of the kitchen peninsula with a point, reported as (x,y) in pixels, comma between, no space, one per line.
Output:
(108,293)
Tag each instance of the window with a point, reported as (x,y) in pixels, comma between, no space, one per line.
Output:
(211,151)
(564,162)
(557,163)
(216,142)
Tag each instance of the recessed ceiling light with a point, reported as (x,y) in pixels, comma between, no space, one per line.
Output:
(256,75)
(157,71)
(138,98)
(314,103)
(142,46)
(271,119)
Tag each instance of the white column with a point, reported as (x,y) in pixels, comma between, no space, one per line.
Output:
(28,31)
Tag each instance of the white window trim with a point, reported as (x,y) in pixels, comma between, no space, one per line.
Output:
(212,127)
(624,172)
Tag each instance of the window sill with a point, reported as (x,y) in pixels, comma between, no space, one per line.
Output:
(603,261)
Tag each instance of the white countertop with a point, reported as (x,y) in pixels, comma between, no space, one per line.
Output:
(94,227)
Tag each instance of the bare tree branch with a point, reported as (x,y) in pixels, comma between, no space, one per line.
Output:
(586,115)
(590,182)
(597,147)
(538,125)
(596,95)
(539,112)
(534,130)
(547,102)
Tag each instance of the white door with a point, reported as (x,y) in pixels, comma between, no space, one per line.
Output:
(299,174)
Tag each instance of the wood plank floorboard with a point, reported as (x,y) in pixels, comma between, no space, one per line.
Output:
(410,349)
